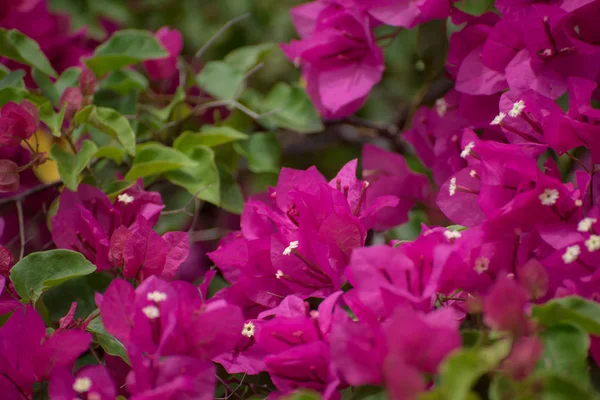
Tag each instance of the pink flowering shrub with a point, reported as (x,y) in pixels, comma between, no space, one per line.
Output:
(160,240)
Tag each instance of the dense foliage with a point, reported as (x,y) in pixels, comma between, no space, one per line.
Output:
(163,234)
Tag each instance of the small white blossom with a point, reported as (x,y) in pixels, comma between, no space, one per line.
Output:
(152,312)
(279,274)
(472,173)
(452,186)
(288,250)
(482,264)
(441,107)
(571,254)
(156,296)
(499,118)
(517,109)
(248,329)
(586,224)
(549,197)
(82,385)
(593,243)
(467,150)
(125,198)
(451,235)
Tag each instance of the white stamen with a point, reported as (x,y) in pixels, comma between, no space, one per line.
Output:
(248,329)
(549,197)
(467,150)
(451,235)
(452,186)
(593,243)
(482,264)
(279,274)
(586,224)
(288,250)
(441,107)
(498,119)
(420,65)
(578,203)
(472,173)
(314,314)
(547,52)
(571,254)
(82,385)
(152,312)
(517,109)
(157,296)
(125,198)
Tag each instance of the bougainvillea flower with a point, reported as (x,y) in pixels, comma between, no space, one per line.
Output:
(165,68)
(504,307)
(406,13)
(17,122)
(91,381)
(9,176)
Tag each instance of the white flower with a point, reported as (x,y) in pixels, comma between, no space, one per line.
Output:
(152,312)
(467,150)
(498,119)
(549,197)
(279,274)
(517,109)
(593,243)
(451,235)
(586,224)
(472,173)
(571,254)
(452,186)
(125,198)
(482,264)
(82,385)
(288,250)
(248,329)
(157,296)
(441,106)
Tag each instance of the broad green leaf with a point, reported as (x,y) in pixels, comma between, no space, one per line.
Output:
(13,79)
(125,48)
(303,394)
(433,47)
(18,47)
(573,310)
(69,78)
(110,122)
(108,342)
(245,58)
(368,393)
(221,80)
(164,113)
(232,198)
(3,71)
(557,387)
(71,165)
(262,151)
(291,109)
(40,271)
(154,159)
(116,154)
(124,81)
(474,7)
(565,353)
(47,87)
(52,119)
(210,136)
(15,94)
(201,180)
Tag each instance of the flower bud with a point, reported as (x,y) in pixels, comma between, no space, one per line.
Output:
(9,176)
(87,82)
(6,260)
(72,99)
(523,358)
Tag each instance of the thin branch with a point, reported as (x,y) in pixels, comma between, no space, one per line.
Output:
(21,228)
(219,33)
(235,390)
(28,193)
(240,88)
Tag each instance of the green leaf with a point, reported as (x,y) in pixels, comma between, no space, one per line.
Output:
(13,79)
(565,353)
(462,369)
(124,81)
(40,271)
(201,180)
(303,394)
(164,113)
(116,154)
(262,151)
(69,78)
(125,48)
(245,58)
(71,165)
(474,7)
(12,94)
(108,342)
(369,393)
(18,47)
(110,122)
(232,198)
(291,109)
(220,80)
(154,159)
(210,136)
(433,47)
(572,309)
(557,387)
(47,87)
(53,120)
(458,228)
